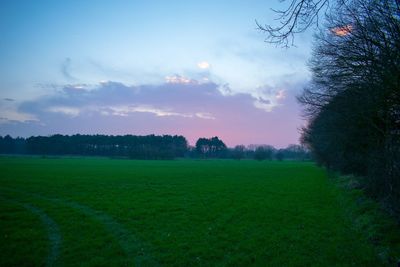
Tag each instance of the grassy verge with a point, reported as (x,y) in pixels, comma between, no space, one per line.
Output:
(369,219)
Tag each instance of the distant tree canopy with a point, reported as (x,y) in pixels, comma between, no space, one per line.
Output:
(293,152)
(238,152)
(144,147)
(137,147)
(267,152)
(211,147)
(9,145)
(264,152)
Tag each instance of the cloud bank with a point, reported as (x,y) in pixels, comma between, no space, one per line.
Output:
(178,106)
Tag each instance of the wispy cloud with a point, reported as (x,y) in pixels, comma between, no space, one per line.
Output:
(126,110)
(203,65)
(14,116)
(268,98)
(70,111)
(9,112)
(281,94)
(205,115)
(179,79)
(66,69)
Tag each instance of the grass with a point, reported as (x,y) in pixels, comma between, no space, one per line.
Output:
(368,218)
(174,213)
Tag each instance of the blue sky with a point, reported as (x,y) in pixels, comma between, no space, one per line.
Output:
(49,46)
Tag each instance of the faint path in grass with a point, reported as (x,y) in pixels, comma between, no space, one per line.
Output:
(53,230)
(134,249)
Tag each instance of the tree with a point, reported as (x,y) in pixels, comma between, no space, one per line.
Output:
(211,147)
(238,152)
(353,101)
(264,152)
(280,155)
(297,17)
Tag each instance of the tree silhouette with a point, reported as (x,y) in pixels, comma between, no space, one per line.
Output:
(353,101)
(211,147)
(238,152)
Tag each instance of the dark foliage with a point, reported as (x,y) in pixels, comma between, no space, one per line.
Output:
(144,147)
(238,152)
(267,152)
(353,102)
(211,148)
(264,153)
(136,147)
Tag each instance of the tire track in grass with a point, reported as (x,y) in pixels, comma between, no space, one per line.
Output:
(134,249)
(53,231)
(130,244)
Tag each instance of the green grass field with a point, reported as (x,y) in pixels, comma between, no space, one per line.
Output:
(103,212)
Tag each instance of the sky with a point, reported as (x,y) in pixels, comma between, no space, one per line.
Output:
(192,68)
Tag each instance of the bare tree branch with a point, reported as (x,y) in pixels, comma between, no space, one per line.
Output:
(296,18)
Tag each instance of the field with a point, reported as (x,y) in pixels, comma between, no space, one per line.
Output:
(104,212)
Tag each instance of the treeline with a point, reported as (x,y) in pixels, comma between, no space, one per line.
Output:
(130,146)
(353,102)
(144,147)
(267,152)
